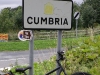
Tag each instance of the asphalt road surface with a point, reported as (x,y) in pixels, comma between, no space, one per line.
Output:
(22,57)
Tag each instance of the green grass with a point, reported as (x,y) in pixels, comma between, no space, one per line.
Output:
(24,45)
(12,46)
(38,44)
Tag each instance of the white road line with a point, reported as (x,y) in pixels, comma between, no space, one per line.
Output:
(8,68)
(14,59)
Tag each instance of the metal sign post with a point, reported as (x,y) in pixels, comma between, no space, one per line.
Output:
(76,16)
(76,26)
(24,35)
(59,46)
(31,49)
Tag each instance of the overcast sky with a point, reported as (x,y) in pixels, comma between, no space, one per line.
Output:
(15,3)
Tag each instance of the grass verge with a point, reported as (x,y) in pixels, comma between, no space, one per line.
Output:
(38,44)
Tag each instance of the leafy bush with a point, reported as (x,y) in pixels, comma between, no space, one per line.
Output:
(84,57)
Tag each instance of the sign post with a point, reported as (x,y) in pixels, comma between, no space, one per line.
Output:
(47,14)
(59,46)
(24,35)
(76,26)
(28,34)
(31,49)
(76,16)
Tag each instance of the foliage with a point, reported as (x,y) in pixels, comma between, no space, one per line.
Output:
(10,19)
(89,15)
(18,17)
(95,5)
(5,20)
(84,58)
(40,68)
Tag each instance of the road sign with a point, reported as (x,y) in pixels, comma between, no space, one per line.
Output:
(27,34)
(24,35)
(47,14)
(76,15)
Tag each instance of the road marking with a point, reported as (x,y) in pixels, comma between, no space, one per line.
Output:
(8,68)
(14,59)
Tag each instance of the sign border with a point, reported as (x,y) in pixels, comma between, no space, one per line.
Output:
(46,28)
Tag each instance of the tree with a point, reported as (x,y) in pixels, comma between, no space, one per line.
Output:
(89,16)
(5,20)
(76,7)
(96,6)
(18,17)
(11,19)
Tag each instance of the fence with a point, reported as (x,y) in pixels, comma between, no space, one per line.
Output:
(41,35)
(65,34)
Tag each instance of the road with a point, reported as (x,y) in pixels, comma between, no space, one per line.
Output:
(22,57)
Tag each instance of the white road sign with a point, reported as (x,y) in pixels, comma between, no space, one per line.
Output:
(47,14)
(76,15)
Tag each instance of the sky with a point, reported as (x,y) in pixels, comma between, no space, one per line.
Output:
(15,3)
